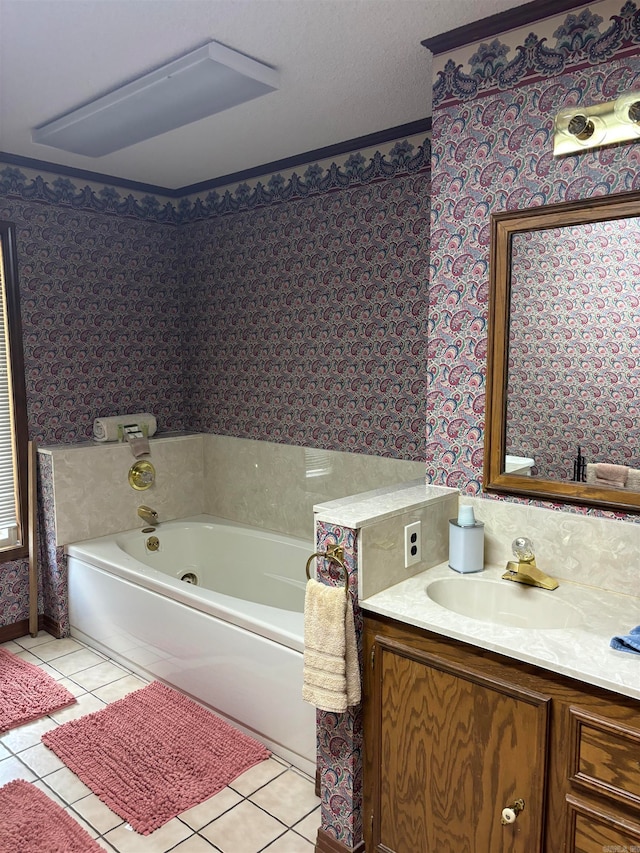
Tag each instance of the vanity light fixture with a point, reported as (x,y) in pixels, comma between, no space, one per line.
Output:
(581,128)
(208,80)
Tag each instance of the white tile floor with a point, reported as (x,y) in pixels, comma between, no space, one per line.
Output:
(271,807)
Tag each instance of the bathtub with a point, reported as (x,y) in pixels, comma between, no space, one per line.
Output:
(216,611)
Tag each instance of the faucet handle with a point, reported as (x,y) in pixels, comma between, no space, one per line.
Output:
(523,549)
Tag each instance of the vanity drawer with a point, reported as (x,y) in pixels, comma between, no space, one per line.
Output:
(594,831)
(605,757)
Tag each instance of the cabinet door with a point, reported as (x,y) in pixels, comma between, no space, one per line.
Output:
(452,748)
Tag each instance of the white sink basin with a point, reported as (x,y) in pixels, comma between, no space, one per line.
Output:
(503,602)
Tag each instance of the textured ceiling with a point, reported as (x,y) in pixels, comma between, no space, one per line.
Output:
(348,68)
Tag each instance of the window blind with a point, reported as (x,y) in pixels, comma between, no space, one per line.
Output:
(8,495)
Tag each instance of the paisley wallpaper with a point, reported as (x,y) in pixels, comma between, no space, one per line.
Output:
(575,346)
(101,316)
(308,321)
(294,310)
(491,154)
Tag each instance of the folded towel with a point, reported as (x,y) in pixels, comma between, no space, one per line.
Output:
(627,642)
(633,480)
(331,676)
(611,475)
(106,429)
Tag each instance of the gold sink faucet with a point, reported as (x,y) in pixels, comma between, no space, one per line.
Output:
(149,515)
(525,570)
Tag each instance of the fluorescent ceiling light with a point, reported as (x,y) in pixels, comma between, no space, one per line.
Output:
(206,81)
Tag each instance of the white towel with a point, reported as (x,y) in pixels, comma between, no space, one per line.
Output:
(331,678)
(106,429)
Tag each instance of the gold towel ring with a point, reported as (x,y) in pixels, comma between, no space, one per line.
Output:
(335,553)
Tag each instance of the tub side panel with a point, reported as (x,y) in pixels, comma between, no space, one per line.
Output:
(247,678)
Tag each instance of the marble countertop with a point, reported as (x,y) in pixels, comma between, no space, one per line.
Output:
(580,652)
(358,511)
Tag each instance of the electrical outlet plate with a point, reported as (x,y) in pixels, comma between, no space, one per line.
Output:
(412,549)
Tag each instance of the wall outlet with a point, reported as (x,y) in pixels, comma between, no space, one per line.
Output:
(412,549)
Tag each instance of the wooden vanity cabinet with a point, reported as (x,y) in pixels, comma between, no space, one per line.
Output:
(454,734)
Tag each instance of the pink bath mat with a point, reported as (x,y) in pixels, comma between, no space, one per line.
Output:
(154,754)
(27,692)
(30,822)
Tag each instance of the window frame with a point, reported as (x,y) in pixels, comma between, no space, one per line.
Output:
(8,247)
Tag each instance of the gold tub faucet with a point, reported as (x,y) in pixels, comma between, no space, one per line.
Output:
(149,515)
(525,570)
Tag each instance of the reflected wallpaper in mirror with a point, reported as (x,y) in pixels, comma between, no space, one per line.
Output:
(573,380)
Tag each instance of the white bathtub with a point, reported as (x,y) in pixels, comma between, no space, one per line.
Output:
(233,642)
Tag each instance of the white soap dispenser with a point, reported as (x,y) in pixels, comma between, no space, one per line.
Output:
(466,542)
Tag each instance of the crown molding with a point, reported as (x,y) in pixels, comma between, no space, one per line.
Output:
(521,16)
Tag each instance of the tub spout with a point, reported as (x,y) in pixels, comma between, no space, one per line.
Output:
(149,515)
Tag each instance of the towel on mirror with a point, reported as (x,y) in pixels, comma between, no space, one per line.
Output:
(627,642)
(633,480)
(611,475)
(331,675)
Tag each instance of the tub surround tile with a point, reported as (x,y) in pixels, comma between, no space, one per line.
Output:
(83,511)
(244,480)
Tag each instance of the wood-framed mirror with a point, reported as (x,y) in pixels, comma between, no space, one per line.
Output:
(563,371)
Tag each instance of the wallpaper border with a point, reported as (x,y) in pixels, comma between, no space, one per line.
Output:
(402,156)
(563,43)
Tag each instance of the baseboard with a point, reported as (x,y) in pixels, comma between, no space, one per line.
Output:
(326,843)
(46,623)
(21,628)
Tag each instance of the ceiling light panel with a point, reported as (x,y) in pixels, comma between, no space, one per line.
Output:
(208,80)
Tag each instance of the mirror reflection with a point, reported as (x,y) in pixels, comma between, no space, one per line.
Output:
(563,371)
(573,379)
